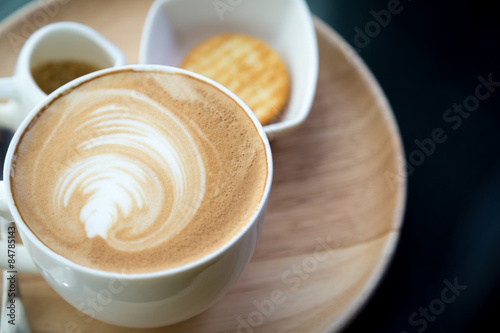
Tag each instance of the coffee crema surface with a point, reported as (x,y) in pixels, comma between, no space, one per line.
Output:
(135,172)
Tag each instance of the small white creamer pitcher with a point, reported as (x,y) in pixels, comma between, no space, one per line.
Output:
(60,41)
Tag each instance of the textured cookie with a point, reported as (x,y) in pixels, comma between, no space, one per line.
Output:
(248,67)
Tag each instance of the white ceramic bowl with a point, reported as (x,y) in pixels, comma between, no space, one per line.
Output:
(173,27)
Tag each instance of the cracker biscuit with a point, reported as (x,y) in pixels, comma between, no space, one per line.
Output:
(248,67)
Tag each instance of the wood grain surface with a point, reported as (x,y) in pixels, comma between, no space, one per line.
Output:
(335,208)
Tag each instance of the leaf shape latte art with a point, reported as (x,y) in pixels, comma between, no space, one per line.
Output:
(116,173)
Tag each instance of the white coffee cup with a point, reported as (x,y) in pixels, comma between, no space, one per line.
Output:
(53,42)
(134,300)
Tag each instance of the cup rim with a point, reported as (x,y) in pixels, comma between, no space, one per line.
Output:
(260,209)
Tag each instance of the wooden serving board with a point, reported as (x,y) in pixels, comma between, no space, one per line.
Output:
(335,209)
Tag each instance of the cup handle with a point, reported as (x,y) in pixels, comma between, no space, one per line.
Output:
(14,257)
(8,110)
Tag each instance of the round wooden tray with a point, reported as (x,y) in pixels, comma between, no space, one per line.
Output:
(335,209)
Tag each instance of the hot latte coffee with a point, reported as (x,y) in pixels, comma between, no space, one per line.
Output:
(137,172)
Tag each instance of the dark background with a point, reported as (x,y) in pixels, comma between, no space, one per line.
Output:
(428,56)
(428,59)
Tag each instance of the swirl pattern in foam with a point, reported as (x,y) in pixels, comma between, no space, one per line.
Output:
(136,172)
(113,178)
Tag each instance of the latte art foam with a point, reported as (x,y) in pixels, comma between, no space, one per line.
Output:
(133,150)
(136,172)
